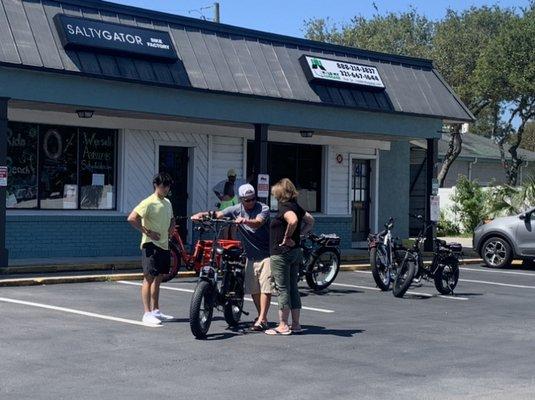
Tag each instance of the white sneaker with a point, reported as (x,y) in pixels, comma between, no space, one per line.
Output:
(162,317)
(150,319)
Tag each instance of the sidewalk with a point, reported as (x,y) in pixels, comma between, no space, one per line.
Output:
(82,276)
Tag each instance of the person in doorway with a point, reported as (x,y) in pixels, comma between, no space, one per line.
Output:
(253,219)
(286,229)
(226,191)
(153,217)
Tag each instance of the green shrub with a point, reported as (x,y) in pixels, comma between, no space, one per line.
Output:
(446,227)
(469,203)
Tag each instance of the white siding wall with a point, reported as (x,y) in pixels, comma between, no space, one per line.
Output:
(140,152)
(338,177)
(217,154)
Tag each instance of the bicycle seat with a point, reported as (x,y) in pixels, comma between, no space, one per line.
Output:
(326,239)
(441,242)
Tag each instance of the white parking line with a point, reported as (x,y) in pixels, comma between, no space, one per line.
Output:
(483,282)
(498,284)
(78,312)
(411,293)
(322,310)
(492,271)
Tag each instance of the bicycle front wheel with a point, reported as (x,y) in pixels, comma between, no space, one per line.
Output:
(404,278)
(201,309)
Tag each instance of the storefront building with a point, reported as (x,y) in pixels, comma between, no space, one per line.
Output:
(96,97)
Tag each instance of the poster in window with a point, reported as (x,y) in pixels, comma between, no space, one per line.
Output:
(22,165)
(97,163)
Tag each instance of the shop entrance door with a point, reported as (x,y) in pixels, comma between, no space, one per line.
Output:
(174,161)
(360,200)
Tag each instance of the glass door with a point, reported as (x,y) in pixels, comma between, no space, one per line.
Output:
(360,199)
(174,161)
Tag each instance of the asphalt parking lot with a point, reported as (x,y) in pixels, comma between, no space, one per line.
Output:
(85,341)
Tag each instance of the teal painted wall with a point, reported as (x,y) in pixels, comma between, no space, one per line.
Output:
(394,186)
(70,236)
(101,236)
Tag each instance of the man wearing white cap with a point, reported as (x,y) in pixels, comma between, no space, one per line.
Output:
(253,217)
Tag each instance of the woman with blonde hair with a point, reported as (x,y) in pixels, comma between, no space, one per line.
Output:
(286,229)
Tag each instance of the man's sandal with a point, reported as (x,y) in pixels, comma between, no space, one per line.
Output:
(262,326)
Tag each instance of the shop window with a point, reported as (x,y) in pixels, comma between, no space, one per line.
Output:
(97,166)
(301,163)
(59,167)
(22,142)
(58,182)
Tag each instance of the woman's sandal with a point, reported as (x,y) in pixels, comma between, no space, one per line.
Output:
(297,331)
(275,332)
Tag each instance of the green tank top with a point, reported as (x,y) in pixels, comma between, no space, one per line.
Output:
(228,203)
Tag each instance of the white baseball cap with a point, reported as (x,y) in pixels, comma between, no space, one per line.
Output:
(246,190)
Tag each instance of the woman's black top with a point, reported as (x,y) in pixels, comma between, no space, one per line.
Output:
(278,227)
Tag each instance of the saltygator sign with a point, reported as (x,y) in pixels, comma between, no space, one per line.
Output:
(111,38)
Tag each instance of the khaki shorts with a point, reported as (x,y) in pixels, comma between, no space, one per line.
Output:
(258,276)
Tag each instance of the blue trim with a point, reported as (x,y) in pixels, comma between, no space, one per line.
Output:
(205,106)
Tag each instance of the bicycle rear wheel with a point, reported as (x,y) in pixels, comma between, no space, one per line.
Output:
(324,269)
(175,266)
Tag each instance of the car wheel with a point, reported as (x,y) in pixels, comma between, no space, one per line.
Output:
(496,253)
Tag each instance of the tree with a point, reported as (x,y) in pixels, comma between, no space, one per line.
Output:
(458,43)
(506,76)
(455,43)
(405,33)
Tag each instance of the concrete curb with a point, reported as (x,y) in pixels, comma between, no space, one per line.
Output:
(53,280)
(43,280)
(70,267)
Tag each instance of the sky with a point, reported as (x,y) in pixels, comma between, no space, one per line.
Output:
(287,17)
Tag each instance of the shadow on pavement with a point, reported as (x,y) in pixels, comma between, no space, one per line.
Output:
(321,330)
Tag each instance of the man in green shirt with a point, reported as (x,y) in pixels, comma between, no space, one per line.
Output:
(153,217)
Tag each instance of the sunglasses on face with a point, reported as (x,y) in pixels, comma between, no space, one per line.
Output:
(250,200)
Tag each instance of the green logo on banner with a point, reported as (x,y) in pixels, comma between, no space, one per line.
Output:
(317,64)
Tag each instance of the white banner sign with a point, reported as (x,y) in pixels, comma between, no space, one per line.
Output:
(262,191)
(339,71)
(434,204)
(3,176)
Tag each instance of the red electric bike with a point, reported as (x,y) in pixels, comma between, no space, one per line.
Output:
(198,257)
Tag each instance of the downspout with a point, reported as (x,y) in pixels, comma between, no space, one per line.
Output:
(470,165)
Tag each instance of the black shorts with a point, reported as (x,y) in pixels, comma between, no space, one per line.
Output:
(155,260)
